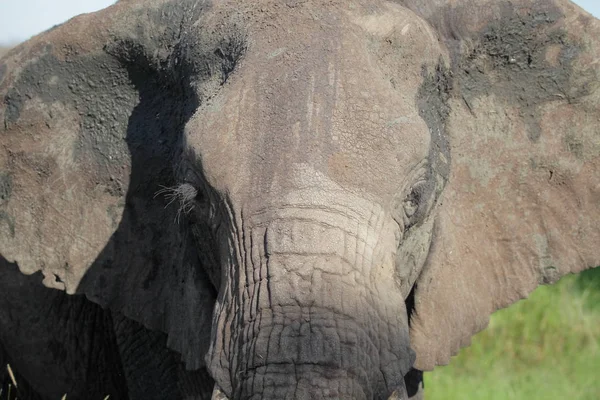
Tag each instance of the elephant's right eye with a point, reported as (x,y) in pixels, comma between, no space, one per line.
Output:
(418,202)
(411,203)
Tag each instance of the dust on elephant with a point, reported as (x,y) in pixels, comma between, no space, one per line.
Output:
(307,199)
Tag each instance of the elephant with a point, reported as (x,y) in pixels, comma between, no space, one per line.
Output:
(298,199)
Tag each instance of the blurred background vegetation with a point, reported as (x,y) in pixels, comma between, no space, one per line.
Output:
(545,347)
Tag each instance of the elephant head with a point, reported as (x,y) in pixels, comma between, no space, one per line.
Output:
(308,197)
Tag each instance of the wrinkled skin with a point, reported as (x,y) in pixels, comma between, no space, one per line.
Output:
(287,199)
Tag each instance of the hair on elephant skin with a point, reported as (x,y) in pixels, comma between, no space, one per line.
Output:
(294,199)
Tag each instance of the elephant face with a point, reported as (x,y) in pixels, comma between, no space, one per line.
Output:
(313,183)
(308,198)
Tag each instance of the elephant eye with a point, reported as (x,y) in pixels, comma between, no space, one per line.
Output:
(415,204)
(190,175)
(411,204)
(201,197)
(202,203)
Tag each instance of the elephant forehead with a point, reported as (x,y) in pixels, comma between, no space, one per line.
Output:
(318,86)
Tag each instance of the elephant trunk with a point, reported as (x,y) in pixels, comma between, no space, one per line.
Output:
(306,314)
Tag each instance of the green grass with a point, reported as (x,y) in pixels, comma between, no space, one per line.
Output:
(546,347)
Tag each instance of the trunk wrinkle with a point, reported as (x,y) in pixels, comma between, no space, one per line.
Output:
(300,314)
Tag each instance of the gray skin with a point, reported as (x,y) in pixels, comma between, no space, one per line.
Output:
(265,200)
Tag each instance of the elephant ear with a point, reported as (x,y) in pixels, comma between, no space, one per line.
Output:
(521,206)
(91,122)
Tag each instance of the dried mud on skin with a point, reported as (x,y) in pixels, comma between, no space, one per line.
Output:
(514,59)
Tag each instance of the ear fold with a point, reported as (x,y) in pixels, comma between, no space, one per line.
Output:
(92,117)
(522,203)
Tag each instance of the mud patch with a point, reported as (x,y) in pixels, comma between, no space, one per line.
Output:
(432,101)
(6,184)
(96,87)
(523,59)
(158,63)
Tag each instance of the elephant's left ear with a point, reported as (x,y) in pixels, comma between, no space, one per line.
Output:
(91,122)
(522,203)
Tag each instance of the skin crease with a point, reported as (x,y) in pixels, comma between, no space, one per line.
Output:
(291,199)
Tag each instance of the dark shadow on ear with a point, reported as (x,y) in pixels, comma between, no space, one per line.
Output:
(150,270)
(55,343)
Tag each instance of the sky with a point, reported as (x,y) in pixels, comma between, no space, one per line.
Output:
(22,19)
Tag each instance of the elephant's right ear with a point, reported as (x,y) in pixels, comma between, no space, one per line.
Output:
(522,203)
(64,162)
(91,121)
